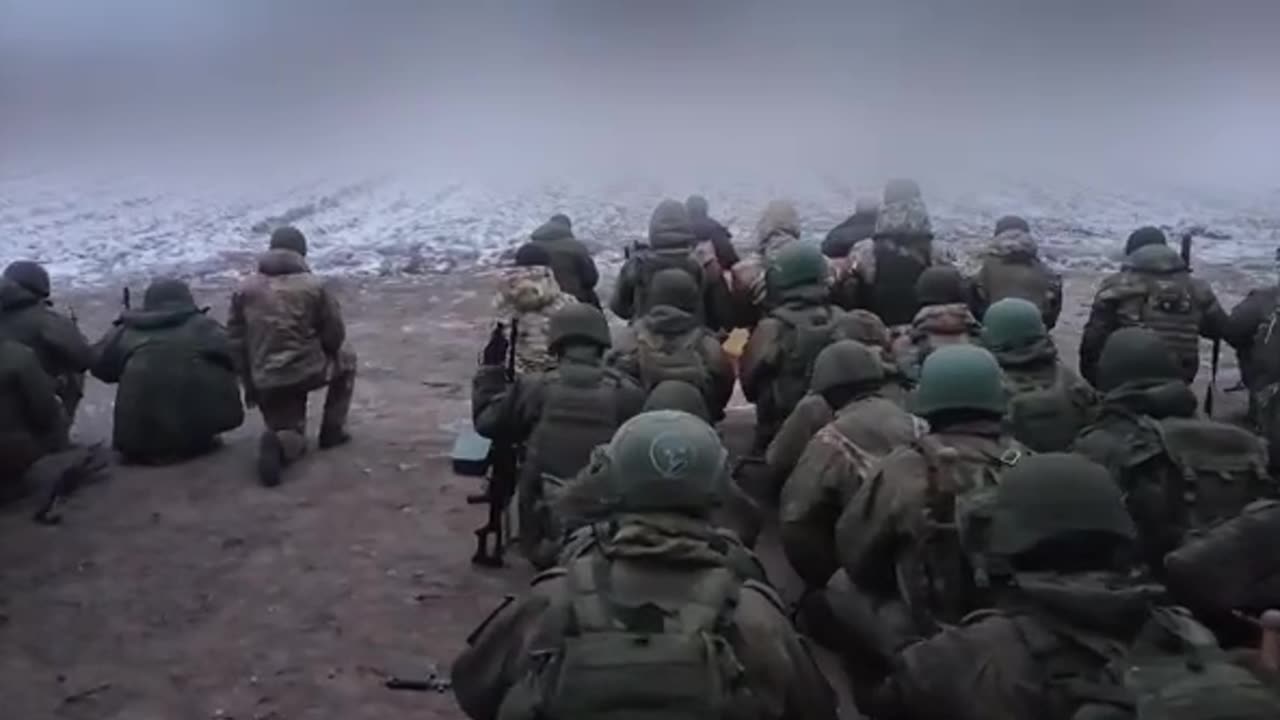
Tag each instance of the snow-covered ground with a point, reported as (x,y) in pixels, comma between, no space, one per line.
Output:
(93,233)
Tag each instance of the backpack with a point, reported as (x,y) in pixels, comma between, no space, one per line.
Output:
(1045,419)
(1222,570)
(651,261)
(1030,280)
(1185,474)
(671,357)
(806,331)
(1168,308)
(1174,670)
(942,579)
(659,651)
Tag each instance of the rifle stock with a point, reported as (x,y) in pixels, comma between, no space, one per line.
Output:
(492,537)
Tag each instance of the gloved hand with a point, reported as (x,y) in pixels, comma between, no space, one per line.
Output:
(495,351)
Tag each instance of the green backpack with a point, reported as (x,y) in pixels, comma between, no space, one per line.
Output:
(807,331)
(1045,419)
(1174,670)
(659,651)
(670,357)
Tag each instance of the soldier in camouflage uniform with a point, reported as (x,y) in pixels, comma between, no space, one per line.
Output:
(835,463)
(1154,289)
(559,416)
(671,246)
(669,343)
(288,338)
(882,272)
(32,421)
(178,389)
(891,536)
(1049,404)
(778,228)
(571,261)
(813,412)
(1011,268)
(528,295)
(944,319)
(652,621)
(777,362)
(1180,473)
(27,316)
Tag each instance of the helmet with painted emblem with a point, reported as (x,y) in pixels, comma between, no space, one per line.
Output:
(667,461)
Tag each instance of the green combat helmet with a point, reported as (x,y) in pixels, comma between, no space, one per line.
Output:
(1053,495)
(1133,354)
(940,285)
(959,377)
(846,362)
(797,265)
(288,237)
(578,322)
(31,276)
(168,293)
(667,461)
(1011,324)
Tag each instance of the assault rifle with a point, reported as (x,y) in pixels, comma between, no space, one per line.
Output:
(504,461)
(1217,342)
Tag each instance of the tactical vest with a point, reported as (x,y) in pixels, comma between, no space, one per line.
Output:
(1167,307)
(1024,279)
(634,644)
(806,331)
(651,261)
(1185,474)
(942,578)
(1045,418)
(893,292)
(671,357)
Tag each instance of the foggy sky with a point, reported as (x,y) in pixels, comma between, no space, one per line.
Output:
(1176,89)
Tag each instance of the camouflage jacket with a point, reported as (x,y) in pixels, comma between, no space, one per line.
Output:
(530,296)
(31,320)
(286,326)
(32,422)
(1049,404)
(810,415)
(882,521)
(494,676)
(628,292)
(934,326)
(1011,267)
(664,321)
(571,261)
(834,465)
(1154,290)
(178,386)
(992,666)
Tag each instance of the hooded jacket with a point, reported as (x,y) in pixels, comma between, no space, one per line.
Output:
(1049,404)
(177,382)
(1011,267)
(30,319)
(666,323)
(530,296)
(286,326)
(571,261)
(32,422)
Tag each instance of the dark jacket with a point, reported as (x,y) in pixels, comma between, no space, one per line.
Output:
(178,385)
(62,349)
(706,229)
(842,238)
(32,422)
(570,261)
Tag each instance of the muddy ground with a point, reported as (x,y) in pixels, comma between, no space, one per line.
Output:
(191,592)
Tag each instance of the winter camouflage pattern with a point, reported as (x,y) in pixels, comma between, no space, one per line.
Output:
(530,295)
(934,326)
(832,468)
(1154,290)
(904,219)
(776,677)
(286,327)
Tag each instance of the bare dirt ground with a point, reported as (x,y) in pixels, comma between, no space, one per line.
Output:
(191,592)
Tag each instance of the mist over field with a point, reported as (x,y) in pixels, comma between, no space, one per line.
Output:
(451,129)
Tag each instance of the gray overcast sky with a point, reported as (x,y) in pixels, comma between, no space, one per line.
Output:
(1177,88)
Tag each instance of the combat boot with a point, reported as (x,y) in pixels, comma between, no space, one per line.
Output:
(270,459)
